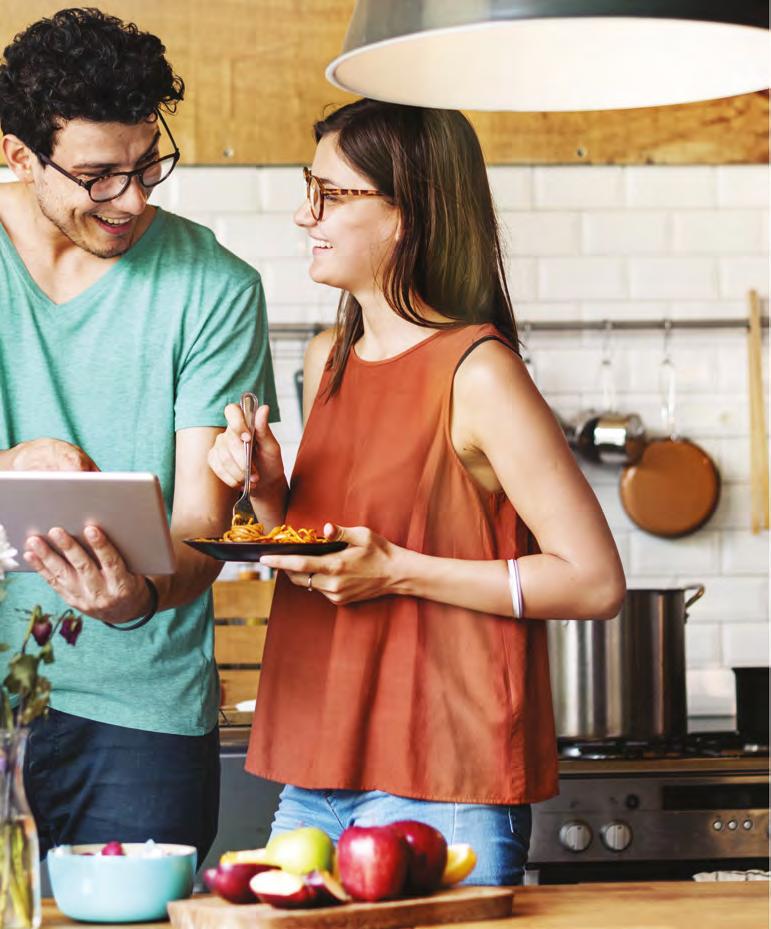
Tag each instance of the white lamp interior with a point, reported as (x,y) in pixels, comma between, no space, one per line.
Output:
(592,63)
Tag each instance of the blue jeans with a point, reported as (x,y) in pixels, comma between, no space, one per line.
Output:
(93,782)
(499,834)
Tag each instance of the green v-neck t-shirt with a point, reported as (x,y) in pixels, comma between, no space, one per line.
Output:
(169,335)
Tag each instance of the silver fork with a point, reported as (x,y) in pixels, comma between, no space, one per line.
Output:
(243,511)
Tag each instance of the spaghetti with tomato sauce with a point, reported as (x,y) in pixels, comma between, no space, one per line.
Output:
(255,532)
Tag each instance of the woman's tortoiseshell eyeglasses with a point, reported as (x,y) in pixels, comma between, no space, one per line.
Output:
(316,192)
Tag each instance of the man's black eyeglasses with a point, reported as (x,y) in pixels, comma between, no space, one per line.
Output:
(109,186)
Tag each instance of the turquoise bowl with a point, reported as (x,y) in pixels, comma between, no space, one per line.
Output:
(120,888)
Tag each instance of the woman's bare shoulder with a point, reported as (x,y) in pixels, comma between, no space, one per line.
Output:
(490,365)
(319,347)
(316,354)
(493,390)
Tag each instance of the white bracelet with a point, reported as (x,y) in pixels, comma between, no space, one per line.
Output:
(515,587)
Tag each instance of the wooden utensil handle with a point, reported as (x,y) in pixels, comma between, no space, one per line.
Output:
(758,441)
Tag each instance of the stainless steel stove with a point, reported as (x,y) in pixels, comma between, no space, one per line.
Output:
(629,810)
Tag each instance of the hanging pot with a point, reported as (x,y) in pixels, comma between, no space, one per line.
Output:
(608,436)
(675,486)
(672,490)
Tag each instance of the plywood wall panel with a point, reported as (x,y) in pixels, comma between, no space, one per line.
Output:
(729,131)
(254,71)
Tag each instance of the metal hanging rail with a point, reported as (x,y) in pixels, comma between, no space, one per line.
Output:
(618,325)
(295,330)
(307,330)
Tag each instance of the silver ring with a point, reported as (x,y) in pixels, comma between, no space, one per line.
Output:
(310,583)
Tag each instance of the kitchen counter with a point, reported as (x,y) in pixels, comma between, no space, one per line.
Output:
(660,905)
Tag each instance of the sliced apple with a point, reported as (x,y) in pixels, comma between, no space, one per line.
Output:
(246,856)
(461,861)
(328,886)
(231,881)
(284,890)
(288,891)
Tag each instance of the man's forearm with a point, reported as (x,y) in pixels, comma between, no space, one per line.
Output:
(194,574)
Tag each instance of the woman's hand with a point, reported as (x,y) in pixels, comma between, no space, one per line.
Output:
(363,571)
(226,457)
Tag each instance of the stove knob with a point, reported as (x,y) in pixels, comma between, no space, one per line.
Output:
(616,836)
(576,836)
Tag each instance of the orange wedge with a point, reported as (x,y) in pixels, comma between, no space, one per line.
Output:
(245,856)
(461,860)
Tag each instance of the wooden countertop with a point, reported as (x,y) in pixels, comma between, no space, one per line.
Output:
(654,905)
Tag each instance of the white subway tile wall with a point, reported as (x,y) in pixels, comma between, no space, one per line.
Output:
(587,243)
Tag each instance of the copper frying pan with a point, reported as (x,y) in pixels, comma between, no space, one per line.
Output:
(674,488)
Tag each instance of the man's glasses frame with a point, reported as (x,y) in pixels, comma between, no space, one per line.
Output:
(126,175)
(324,191)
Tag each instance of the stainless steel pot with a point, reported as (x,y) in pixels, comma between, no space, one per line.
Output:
(610,438)
(624,677)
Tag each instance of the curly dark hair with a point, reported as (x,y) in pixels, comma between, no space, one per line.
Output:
(82,64)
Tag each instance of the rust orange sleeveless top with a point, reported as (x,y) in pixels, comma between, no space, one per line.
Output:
(400,694)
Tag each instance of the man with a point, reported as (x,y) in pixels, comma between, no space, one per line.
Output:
(124,331)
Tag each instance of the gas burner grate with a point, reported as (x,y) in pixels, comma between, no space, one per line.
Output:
(694,745)
(724,745)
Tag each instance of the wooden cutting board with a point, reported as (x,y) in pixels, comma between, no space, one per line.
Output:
(450,906)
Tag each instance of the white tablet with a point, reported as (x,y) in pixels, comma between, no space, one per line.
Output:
(128,506)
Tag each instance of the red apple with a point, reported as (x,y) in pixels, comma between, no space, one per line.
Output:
(113,848)
(210,879)
(428,855)
(288,891)
(231,881)
(372,861)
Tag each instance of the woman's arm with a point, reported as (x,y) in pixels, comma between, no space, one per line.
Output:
(508,438)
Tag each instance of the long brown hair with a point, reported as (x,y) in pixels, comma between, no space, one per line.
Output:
(429,164)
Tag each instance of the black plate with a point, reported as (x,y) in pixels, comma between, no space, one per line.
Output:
(253,551)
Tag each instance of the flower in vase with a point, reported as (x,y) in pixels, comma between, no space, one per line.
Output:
(7,558)
(70,628)
(42,629)
(24,695)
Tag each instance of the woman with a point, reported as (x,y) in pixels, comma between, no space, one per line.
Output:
(406,677)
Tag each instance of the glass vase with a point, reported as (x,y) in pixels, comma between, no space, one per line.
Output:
(19,857)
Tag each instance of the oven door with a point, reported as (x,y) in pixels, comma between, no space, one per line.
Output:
(650,827)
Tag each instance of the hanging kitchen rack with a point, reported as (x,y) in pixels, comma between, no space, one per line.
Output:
(307,330)
(599,325)
(298,331)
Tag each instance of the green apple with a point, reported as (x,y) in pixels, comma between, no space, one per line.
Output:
(301,850)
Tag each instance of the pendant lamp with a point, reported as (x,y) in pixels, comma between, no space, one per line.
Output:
(547,55)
